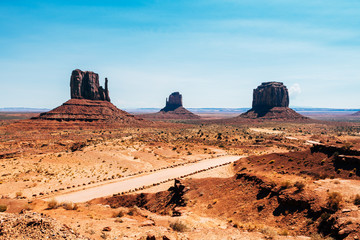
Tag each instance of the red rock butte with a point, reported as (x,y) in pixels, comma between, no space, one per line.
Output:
(271,101)
(89,102)
(173,110)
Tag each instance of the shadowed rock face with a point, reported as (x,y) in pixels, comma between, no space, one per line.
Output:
(85,85)
(174,102)
(269,95)
(271,101)
(172,110)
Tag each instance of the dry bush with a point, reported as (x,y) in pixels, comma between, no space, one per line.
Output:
(133,211)
(69,206)
(357,200)
(52,204)
(118,214)
(3,208)
(18,194)
(178,226)
(334,200)
(300,186)
(268,232)
(285,184)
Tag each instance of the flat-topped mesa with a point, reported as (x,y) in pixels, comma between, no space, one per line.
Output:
(173,102)
(270,95)
(271,101)
(85,85)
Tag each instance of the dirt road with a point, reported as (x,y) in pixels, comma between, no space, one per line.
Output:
(144,180)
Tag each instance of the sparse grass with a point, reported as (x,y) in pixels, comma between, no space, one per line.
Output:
(178,226)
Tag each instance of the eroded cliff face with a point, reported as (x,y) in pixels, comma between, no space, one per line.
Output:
(173,102)
(270,94)
(85,85)
(271,101)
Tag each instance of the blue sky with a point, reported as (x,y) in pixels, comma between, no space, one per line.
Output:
(215,52)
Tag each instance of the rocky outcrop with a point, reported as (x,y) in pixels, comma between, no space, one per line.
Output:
(173,102)
(89,102)
(270,94)
(172,110)
(271,101)
(31,225)
(85,85)
(88,111)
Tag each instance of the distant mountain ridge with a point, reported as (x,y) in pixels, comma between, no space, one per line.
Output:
(197,110)
(241,110)
(23,109)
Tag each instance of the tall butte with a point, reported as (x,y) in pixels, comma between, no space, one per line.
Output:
(89,102)
(173,109)
(271,101)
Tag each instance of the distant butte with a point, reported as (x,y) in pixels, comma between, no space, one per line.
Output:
(271,101)
(173,110)
(89,102)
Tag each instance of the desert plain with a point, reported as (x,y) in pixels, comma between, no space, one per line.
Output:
(288,180)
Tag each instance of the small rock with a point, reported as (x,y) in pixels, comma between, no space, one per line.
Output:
(107,229)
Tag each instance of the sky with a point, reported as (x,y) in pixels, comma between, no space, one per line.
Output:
(214,52)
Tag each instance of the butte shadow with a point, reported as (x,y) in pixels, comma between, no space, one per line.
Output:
(172,110)
(89,103)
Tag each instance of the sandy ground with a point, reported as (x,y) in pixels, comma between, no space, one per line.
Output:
(141,181)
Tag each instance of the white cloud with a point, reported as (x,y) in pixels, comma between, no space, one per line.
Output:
(295,90)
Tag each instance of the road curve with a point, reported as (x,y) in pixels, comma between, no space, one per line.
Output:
(144,180)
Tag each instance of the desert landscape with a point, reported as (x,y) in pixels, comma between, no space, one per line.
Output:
(88,170)
(179,120)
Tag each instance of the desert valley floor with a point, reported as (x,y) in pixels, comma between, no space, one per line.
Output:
(239,180)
